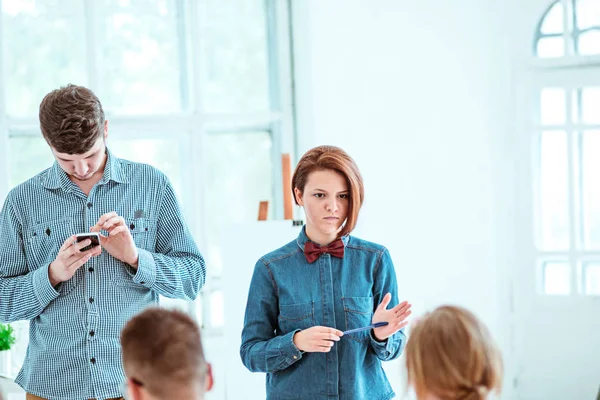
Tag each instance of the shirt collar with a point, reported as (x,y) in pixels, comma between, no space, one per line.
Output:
(303,238)
(113,171)
(57,178)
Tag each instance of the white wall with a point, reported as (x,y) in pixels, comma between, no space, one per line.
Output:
(419,94)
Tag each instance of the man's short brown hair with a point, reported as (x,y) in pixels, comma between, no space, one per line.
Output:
(162,350)
(71,119)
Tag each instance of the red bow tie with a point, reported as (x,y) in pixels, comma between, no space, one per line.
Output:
(313,251)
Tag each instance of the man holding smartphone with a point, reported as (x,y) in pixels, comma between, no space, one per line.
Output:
(146,250)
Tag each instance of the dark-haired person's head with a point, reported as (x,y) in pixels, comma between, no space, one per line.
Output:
(73,124)
(163,357)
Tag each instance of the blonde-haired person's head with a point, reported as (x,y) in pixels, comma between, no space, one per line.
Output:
(451,355)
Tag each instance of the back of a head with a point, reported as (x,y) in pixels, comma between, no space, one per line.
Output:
(162,350)
(451,355)
(71,119)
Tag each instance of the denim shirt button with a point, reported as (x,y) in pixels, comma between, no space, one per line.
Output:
(294,357)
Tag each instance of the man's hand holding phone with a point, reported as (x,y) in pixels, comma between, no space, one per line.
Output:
(119,242)
(70,257)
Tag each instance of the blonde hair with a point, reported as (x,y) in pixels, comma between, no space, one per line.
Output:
(451,355)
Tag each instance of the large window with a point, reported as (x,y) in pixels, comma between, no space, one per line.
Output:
(199,89)
(567,149)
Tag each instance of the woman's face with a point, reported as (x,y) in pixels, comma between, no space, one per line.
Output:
(325,201)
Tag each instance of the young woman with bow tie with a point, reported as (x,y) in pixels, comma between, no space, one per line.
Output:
(305,294)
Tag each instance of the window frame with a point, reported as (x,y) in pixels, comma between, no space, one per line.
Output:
(569,72)
(570,34)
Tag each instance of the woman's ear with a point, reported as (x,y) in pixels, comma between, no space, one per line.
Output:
(298,195)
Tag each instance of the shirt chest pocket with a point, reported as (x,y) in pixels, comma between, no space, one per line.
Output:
(296,316)
(143,232)
(44,240)
(359,313)
(43,243)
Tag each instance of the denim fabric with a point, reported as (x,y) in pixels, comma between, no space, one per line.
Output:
(287,294)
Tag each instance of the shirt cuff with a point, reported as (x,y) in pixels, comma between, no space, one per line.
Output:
(388,345)
(42,287)
(288,350)
(146,270)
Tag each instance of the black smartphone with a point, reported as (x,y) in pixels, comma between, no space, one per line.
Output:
(93,236)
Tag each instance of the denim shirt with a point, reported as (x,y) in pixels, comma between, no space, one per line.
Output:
(287,294)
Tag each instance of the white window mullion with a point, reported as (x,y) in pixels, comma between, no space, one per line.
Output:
(3,126)
(280,92)
(93,31)
(184,36)
(568,27)
(280,28)
(572,165)
(196,140)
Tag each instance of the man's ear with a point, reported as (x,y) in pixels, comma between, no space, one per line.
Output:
(134,391)
(105,129)
(298,195)
(209,378)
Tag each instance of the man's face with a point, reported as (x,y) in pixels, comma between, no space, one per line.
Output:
(83,167)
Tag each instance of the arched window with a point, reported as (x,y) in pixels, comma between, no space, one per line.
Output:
(569,27)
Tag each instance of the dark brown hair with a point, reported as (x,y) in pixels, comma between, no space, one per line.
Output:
(451,354)
(71,119)
(162,350)
(334,158)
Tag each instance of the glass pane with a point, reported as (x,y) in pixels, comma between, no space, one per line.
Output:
(591,190)
(19,349)
(240,177)
(174,304)
(235,57)
(589,43)
(590,107)
(553,194)
(591,277)
(28,156)
(163,154)
(217,312)
(141,61)
(199,303)
(48,53)
(552,106)
(575,106)
(551,47)
(557,278)
(553,20)
(588,13)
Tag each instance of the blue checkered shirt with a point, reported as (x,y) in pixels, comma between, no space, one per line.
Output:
(74,350)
